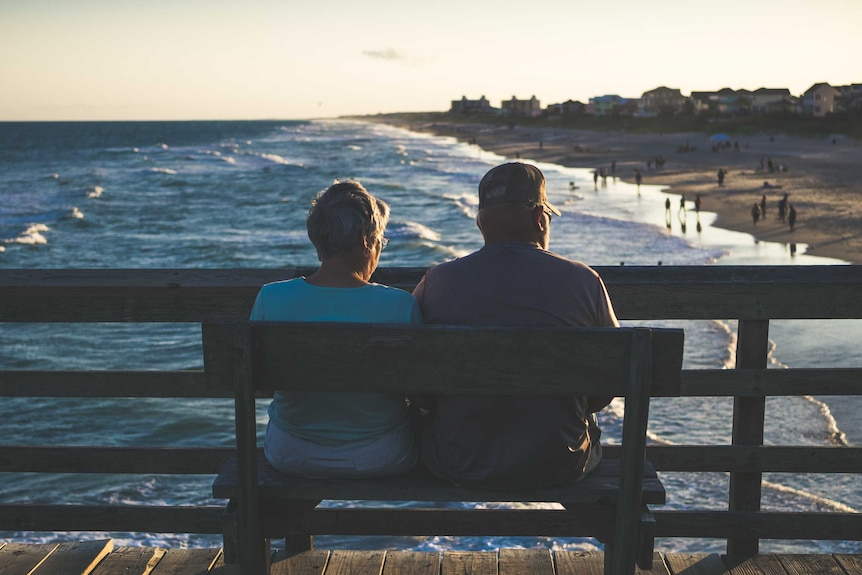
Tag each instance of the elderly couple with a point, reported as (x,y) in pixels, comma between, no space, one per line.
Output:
(513,281)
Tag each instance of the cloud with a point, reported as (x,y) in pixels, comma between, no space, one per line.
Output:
(389,54)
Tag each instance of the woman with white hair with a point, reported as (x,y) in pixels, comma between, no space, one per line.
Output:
(346,434)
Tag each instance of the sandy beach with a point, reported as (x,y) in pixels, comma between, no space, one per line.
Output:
(822,177)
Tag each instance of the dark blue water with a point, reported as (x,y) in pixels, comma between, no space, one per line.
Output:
(235,194)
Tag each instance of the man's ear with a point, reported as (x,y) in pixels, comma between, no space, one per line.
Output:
(538,215)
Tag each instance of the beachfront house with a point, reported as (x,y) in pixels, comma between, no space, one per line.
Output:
(849,99)
(819,100)
(612,105)
(661,100)
(465,106)
(704,102)
(567,108)
(769,100)
(517,107)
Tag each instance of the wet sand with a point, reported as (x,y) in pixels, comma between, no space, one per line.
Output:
(823,179)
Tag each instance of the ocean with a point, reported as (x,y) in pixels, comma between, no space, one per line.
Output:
(236,194)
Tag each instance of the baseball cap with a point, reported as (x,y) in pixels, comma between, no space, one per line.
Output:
(514,183)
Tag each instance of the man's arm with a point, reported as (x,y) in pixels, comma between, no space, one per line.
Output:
(605,318)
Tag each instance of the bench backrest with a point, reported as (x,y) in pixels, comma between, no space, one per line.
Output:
(441,359)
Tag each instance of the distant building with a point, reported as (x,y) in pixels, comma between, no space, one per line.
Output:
(704,102)
(730,102)
(465,106)
(567,108)
(849,98)
(612,105)
(819,100)
(516,107)
(661,100)
(768,100)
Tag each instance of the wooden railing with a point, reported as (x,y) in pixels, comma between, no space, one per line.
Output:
(752,295)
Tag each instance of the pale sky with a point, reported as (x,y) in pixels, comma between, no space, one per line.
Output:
(293,59)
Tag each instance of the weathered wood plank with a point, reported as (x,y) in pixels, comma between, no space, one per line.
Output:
(75,558)
(343,562)
(135,460)
(638,292)
(579,563)
(155,519)
(852,564)
(770,382)
(658,566)
(17,558)
(311,562)
(761,524)
(748,418)
(533,561)
(810,563)
(754,565)
(469,563)
(187,562)
(517,360)
(130,561)
(695,564)
(411,563)
(600,483)
(753,458)
(106,383)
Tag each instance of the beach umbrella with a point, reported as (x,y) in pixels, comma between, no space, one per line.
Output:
(719,138)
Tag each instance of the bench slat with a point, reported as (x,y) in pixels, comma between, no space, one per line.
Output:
(495,361)
(601,483)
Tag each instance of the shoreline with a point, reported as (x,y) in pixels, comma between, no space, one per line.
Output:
(823,179)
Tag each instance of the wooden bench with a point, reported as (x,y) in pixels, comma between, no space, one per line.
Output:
(610,503)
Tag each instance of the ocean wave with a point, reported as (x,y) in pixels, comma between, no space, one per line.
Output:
(412,230)
(467,203)
(96,192)
(31,236)
(836,436)
(75,214)
(163,171)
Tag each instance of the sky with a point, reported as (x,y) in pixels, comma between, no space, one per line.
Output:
(297,59)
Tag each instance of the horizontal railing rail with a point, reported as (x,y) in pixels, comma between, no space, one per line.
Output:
(752,295)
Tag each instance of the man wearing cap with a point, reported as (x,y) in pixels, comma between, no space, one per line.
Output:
(513,280)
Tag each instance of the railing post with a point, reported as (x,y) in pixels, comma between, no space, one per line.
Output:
(748,417)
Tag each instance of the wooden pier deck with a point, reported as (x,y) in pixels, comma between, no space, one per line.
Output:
(102,557)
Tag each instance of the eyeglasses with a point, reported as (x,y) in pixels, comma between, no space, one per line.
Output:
(384,241)
(545,209)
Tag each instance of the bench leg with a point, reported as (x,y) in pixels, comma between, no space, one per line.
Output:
(646,539)
(230,533)
(296,544)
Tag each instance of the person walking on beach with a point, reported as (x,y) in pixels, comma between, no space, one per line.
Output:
(720,176)
(504,442)
(667,213)
(697,204)
(782,208)
(755,213)
(791,217)
(763,206)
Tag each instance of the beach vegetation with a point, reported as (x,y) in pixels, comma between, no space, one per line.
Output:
(843,123)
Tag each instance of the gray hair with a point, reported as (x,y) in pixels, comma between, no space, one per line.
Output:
(342,216)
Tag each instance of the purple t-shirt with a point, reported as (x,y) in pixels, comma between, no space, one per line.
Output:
(512,442)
